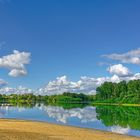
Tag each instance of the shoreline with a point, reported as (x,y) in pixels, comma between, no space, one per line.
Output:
(13,129)
(116,104)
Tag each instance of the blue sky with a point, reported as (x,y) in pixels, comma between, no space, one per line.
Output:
(67,37)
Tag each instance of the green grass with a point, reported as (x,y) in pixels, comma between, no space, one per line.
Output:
(115,104)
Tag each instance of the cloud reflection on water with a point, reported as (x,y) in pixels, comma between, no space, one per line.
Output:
(87,114)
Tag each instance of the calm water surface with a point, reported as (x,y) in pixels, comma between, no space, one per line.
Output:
(123,120)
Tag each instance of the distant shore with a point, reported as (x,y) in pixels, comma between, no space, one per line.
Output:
(29,130)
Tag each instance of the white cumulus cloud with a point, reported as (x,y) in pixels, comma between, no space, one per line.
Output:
(17,72)
(132,57)
(16,63)
(119,70)
(85,85)
(18,90)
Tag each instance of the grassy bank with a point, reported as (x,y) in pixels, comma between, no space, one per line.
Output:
(114,104)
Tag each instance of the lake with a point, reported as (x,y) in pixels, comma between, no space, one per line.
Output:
(118,119)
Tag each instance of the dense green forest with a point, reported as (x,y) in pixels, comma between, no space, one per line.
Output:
(123,92)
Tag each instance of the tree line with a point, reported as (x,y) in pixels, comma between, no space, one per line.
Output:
(123,92)
(66,97)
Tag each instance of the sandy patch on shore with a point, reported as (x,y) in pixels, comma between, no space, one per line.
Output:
(28,130)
